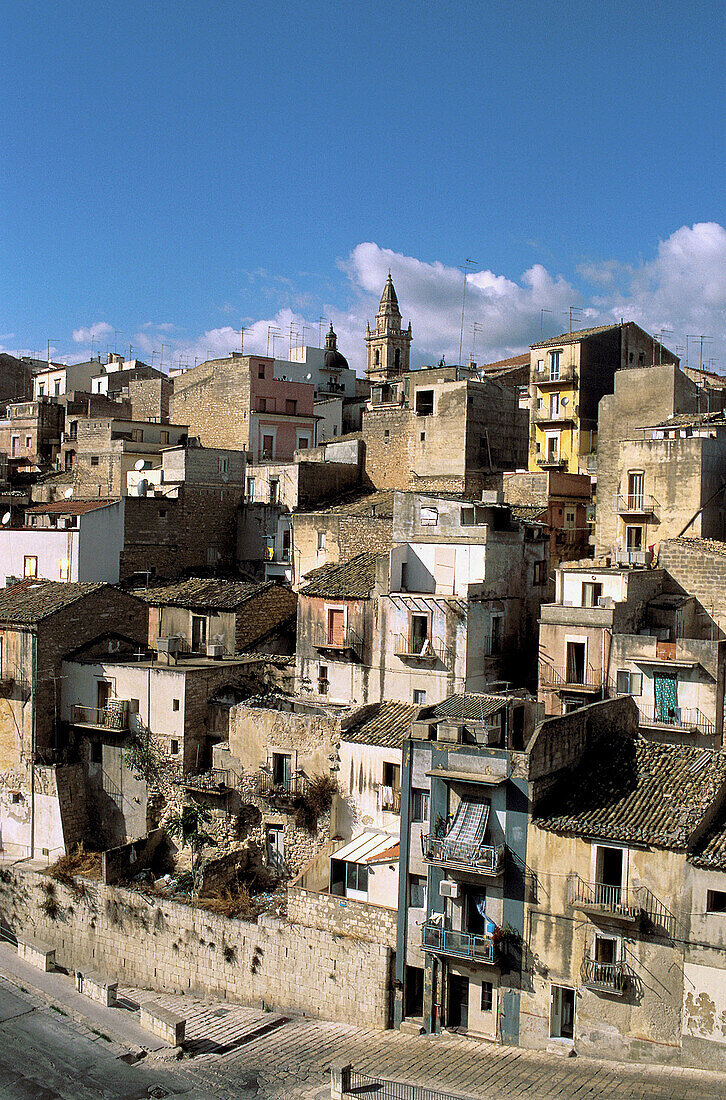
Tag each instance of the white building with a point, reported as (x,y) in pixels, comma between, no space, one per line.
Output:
(65,541)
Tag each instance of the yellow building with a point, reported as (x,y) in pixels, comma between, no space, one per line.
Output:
(568,376)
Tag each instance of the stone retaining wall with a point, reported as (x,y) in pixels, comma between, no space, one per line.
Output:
(342,916)
(169,947)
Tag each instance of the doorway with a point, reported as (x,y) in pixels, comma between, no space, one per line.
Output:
(275,844)
(575,673)
(199,633)
(562,1012)
(609,876)
(665,688)
(458,1014)
(414,991)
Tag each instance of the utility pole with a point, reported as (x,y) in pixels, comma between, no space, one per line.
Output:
(463,303)
(701,338)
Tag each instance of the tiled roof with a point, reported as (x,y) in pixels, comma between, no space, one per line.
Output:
(354,579)
(709,546)
(529,512)
(573,337)
(471,705)
(513,362)
(202,592)
(687,420)
(711,853)
(30,601)
(378,504)
(382,724)
(68,507)
(636,791)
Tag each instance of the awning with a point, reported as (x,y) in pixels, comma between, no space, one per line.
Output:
(365,846)
(491,778)
(470,823)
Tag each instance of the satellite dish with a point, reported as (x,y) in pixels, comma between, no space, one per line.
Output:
(68,494)
(6,518)
(308,376)
(139,464)
(564,400)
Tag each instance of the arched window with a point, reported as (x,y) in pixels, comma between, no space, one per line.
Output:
(397,359)
(377,359)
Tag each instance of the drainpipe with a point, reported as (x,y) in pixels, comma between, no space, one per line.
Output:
(33,738)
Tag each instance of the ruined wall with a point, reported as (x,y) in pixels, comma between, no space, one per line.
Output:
(168,947)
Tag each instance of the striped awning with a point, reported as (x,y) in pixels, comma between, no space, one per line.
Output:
(365,846)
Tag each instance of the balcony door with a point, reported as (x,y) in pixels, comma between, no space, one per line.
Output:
(575,658)
(635,492)
(419,632)
(562,1012)
(609,868)
(199,633)
(665,689)
(336,626)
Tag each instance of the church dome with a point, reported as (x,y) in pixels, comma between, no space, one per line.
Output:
(333,358)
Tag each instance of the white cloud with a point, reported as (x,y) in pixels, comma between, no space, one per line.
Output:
(94,331)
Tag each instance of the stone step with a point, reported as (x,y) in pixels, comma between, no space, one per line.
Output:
(412,1025)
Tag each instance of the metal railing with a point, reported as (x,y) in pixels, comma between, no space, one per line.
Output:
(605,977)
(640,504)
(551,460)
(565,373)
(553,416)
(114,716)
(679,718)
(344,641)
(485,859)
(390,799)
(572,676)
(428,649)
(621,902)
(377,1088)
(267,786)
(216,781)
(463,945)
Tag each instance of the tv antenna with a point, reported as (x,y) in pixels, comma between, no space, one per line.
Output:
(691,336)
(573,310)
(541,320)
(465,269)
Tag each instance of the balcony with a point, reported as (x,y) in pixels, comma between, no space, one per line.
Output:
(6,684)
(602,977)
(423,650)
(389,799)
(461,945)
(572,678)
(551,462)
(548,416)
(482,859)
(598,899)
(339,642)
(279,789)
(114,716)
(636,504)
(684,719)
(215,781)
(548,379)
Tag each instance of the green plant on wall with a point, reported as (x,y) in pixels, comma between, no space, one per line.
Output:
(189,827)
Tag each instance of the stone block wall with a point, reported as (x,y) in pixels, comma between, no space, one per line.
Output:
(699,567)
(169,947)
(342,916)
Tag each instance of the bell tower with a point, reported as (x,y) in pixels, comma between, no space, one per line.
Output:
(388,346)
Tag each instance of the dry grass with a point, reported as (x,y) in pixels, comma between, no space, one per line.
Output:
(238,903)
(78,862)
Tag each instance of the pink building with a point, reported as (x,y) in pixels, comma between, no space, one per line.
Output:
(282,419)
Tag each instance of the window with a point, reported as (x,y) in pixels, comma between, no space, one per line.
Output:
(555,363)
(468,517)
(404,576)
(634,538)
(496,643)
(554,406)
(174,747)
(175,704)
(419,804)
(540,365)
(162,513)
(386,435)
(570,520)
(96,752)
(28,441)
(268,446)
(419,632)
(635,490)
(94,460)
(286,545)
(419,697)
(716,901)
(260,370)
(250,489)
(336,626)
(63,572)
(290,406)
(417,891)
(540,573)
(605,950)
(323,683)
(56,387)
(609,868)
(274,490)
(30,566)
(487,996)
(321,540)
(164,437)
(575,662)
(392,775)
(397,359)
(303,442)
(424,402)
(261,404)
(540,403)
(223,464)
(137,435)
(41,389)
(629,683)
(14,445)
(429,517)
(591,593)
(423,437)
(356,877)
(377,357)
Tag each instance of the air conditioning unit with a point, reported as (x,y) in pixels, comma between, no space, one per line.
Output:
(171,644)
(448,889)
(215,651)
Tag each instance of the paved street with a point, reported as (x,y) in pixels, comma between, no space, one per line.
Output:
(238,1052)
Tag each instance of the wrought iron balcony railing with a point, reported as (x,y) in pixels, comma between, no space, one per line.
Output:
(620,903)
(270,787)
(340,641)
(572,676)
(636,504)
(605,977)
(686,719)
(114,716)
(424,650)
(462,945)
(484,859)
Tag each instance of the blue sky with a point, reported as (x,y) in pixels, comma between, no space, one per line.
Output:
(175,171)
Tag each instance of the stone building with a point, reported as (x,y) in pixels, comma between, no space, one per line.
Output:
(561,501)
(452,606)
(388,346)
(30,434)
(40,623)
(622,930)
(618,631)
(207,614)
(569,374)
(667,479)
(16,378)
(337,532)
(106,450)
(240,403)
(67,540)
